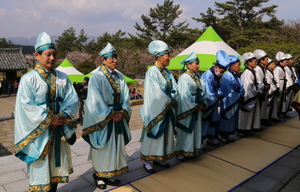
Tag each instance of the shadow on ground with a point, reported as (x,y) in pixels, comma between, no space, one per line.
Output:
(4,151)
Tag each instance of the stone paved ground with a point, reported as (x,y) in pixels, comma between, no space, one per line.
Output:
(7,105)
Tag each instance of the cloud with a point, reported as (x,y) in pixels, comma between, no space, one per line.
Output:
(54,21)
(2,13)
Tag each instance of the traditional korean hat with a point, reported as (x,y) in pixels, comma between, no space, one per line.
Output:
(247,56)
(234,59)
(270,61)
(191,58)
(43,42)
(289,56)
(158,47)
(280,56)
(108,51)
(259,54)
(223,60)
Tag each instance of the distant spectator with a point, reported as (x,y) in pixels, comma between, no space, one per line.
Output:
(4,86)
(140,96)
(9,88)
(16,85)
(133,94)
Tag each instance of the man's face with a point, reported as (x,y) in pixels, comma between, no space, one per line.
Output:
(193,66)
(47,58)
(291,62)
(264,61)
(219,70)
(252,63)
(236,67)
(272,66)
(164,60)
(111,62)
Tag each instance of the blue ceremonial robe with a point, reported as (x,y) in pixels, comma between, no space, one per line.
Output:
(211,115)
(46,150)
(159,115)
(106,96)
(191,94)
(232,89)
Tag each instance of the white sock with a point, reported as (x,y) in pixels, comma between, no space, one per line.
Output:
(148,165)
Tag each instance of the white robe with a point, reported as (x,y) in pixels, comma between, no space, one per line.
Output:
(261,79)
(249,117)
(280,78)
(290,76)
(272,95)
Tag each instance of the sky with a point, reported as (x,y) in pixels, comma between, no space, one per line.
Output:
(27,18)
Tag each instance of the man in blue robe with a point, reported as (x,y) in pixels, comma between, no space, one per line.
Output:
(106,120)
(159,110)
(233,93)
(211,117)
(191,103)
(46,108)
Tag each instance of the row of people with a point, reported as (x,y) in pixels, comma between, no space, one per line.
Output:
(47,105)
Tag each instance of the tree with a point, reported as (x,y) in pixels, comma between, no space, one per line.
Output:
(5,44)
(68,42)
(86,66)
(76,57)
(160,22)
(241,21)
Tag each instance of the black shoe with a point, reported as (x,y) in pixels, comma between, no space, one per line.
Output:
(100,182)
(112,181)
(223,140)
(214,142)
(163,164)
(242,135)
(286,116)
(149,170)
(182,159)
(229,139)
(274,120)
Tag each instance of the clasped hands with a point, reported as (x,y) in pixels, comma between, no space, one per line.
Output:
(57,120)
(118,116)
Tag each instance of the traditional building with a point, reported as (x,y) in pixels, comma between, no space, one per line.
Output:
(11,61)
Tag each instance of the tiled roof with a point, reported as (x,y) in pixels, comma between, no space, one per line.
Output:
(12,59)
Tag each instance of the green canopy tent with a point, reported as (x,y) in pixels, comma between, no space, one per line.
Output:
(127,79)
(206,47)
(72,73)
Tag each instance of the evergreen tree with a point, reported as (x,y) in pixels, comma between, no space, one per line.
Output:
(160,22)
(68,42)
(240,22)
(5,44)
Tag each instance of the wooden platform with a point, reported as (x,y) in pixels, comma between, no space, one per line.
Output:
(226,167)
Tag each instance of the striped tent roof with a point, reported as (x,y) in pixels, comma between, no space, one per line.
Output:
(12,59)
(72,73)
(206,47)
